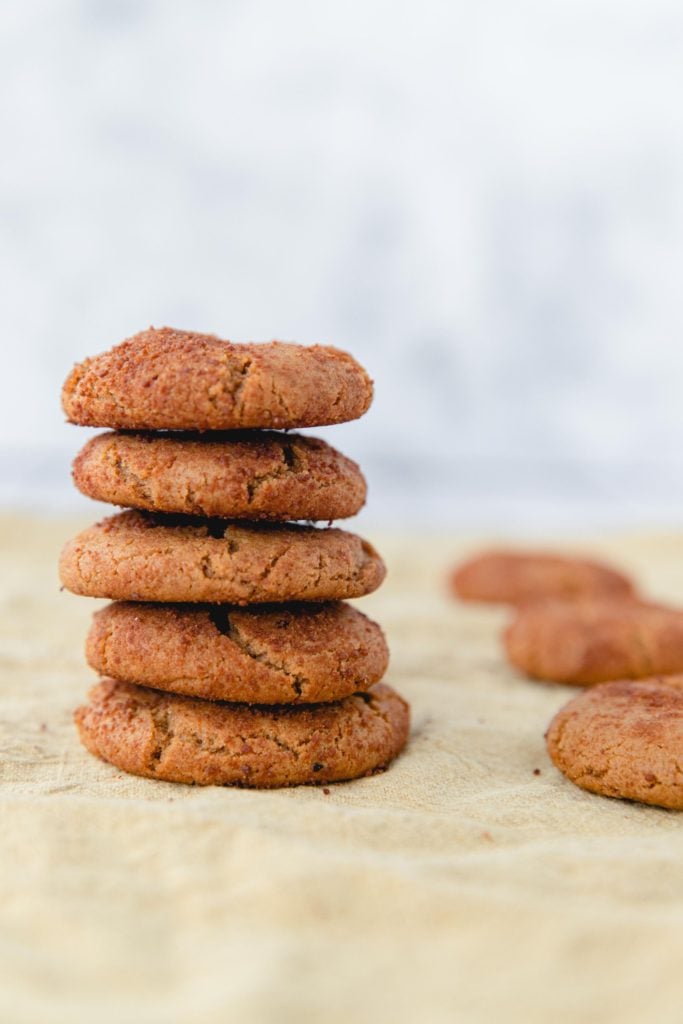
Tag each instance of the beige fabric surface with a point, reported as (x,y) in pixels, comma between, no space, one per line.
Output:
(458,886)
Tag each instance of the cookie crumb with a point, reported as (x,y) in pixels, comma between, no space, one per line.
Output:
(326,791)
(537,771)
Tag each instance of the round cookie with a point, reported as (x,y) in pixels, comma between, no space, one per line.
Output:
(182,739)
(287,654)
(624,739)
(583,643)
(140,556)
(259,475)
(519,577)
(163,379)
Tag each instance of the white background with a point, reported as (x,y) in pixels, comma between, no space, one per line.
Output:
(482,201)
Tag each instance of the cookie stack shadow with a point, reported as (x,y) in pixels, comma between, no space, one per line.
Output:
(229,654)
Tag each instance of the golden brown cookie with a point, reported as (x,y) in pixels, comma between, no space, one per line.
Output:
(624,739)
(255,475)
(141,556)
(520,577)
(592,642)
(163,379)
(282,654)
(182,739)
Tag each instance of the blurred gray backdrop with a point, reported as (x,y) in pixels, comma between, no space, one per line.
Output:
(482,201)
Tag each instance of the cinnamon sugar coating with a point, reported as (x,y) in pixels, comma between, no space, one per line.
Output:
(624,739)
(519,577)
(182,739)
(256,475)
(592,642)
(140,556)
(164,379)
(283,654)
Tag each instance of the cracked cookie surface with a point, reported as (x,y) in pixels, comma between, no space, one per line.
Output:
(255,475)
(141,556)
(164,379)
(182,739)
(519,577)
(594,642)
(287,654)
(624,739)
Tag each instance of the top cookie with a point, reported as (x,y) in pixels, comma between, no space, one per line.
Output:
(162,379)
(521,577)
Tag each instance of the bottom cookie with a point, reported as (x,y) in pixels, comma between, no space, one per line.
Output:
(624,739)
(184,739)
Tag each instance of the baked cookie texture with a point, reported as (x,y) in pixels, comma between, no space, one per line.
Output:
(583,643)
(164,379)
(258,475)
(198,687)
(140,556)
(624,739)
(518,577)
(181,739)
(287,654)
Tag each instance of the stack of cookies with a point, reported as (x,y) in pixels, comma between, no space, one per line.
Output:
(583,623)
(229,653)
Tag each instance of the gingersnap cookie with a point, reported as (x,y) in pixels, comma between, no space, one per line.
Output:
(178,380)
(593,642)
(259,475)
(287,654)
(624,739)
(141,556)
(182,739)
(518,577)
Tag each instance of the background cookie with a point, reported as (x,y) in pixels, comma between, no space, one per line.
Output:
(592,642)
(167,379)
(257,475)
(624,739)
(181,739)
(303,653)
(518,577)
(139,556)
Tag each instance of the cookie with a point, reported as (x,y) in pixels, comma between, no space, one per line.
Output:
(624,739)
(182,739)
(259,475)
(287,654)
(518,577)
(593,642)
(178,380)
(141,556)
